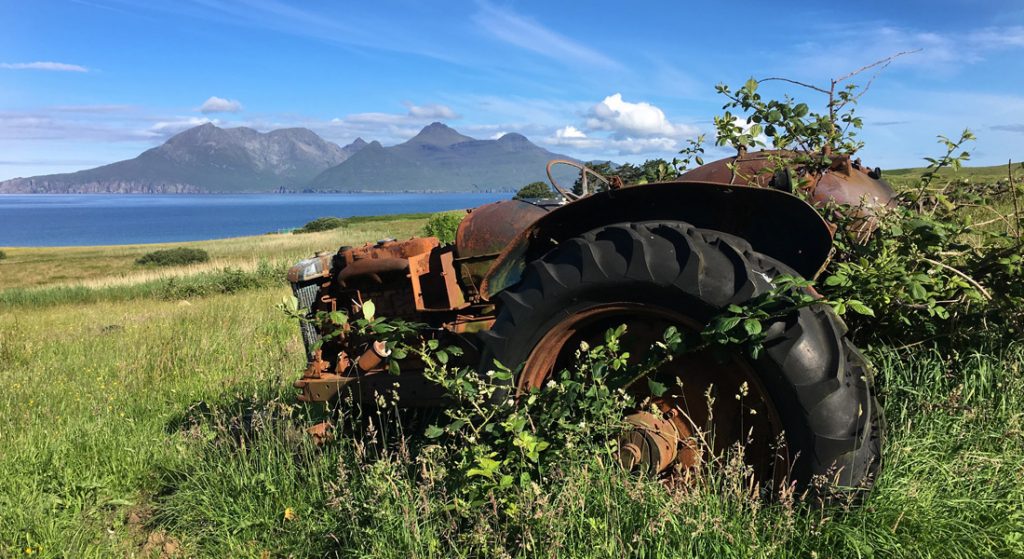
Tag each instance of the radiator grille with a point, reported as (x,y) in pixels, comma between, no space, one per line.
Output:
(306,294)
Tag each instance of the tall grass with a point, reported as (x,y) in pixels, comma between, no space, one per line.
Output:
(124,423)
(185,284)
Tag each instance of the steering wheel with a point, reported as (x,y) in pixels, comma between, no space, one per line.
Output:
(568,194)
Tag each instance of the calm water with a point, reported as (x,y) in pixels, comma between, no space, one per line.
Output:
(109,219)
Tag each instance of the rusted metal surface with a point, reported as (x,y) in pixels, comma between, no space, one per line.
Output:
(404,279)
(373,267)
(321,433)
(372,360)
(317,383)
(486,231)
(388,248)
(435,281)
(847,182)
(650,442)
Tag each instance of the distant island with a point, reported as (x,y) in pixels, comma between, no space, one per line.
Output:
(210,159)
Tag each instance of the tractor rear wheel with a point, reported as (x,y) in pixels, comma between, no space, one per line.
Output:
(804,410)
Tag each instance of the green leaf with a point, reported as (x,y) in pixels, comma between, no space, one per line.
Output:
(434,432)
(368,309)
(918,291)
(834,280)
(752,326)
(656,388)
(860,308)
(726,324)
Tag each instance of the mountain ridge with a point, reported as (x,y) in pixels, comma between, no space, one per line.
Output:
(203,159)
(211,159)
(440,159)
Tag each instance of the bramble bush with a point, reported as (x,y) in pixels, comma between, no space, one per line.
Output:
(443,225)
(173,257)
(929,271)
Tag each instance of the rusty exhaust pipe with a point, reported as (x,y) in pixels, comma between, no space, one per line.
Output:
(372,359)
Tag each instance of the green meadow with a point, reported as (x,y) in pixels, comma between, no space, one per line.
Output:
(149,413)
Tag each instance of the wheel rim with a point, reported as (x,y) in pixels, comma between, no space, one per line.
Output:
(671,435)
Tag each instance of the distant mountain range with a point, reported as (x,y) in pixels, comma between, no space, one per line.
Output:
(209,159)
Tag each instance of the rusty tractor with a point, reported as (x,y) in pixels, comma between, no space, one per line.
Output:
(526,282)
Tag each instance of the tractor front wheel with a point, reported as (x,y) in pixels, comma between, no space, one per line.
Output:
(804,410)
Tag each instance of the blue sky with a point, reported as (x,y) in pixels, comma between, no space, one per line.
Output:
(88,82)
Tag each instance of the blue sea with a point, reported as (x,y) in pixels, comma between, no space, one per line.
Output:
(115,219)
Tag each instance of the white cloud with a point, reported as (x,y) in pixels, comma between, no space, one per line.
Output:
(569,132)
(168,128)
(388,128)
(49,66)
(572,138)
(498,135)
(431,111)
(414,114)
(624,119)
(529,35)
(220,105)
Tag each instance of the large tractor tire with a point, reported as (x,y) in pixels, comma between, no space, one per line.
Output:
(804,410)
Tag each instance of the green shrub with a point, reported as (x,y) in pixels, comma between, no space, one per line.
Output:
(535,190)
(228,280)
(174,257)
(321,224)
(443,226)
(3,255)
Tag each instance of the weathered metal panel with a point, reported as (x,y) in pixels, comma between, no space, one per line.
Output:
(775,223)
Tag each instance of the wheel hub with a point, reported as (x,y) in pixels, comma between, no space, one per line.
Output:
(650,444)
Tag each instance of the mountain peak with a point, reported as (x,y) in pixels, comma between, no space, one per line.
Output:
(201,133)
(514,138)
(438,134)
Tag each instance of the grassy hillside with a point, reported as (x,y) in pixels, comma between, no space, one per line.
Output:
(991,174)
(121,435)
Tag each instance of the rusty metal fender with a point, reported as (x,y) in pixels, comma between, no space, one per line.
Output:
(775,223)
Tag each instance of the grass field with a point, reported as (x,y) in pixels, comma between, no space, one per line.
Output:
(990,174)
(105,266)
(119,437)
